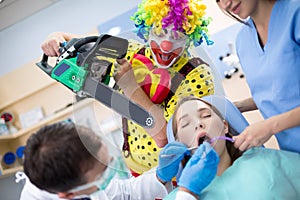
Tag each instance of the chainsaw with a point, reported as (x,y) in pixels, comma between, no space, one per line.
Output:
(88,73)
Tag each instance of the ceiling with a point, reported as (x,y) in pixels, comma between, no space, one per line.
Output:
(13,11)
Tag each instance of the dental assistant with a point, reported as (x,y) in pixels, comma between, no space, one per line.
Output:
(268,46)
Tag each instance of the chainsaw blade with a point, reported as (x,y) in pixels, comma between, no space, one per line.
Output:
(117,102)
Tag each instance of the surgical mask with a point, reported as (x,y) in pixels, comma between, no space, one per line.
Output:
(113,159)
(121,172)
(101,183)
(114,168)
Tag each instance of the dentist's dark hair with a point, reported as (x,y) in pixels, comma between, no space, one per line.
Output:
(56,159)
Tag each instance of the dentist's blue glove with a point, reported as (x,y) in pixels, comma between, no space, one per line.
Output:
(169,159)
(200,170)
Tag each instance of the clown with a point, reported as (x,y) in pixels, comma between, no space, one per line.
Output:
(159,72)
(163,70)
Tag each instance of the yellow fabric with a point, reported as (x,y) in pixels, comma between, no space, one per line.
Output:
(143,150)
(140,70)
(199,82)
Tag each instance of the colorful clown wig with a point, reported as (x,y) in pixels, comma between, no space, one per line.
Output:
(185,15)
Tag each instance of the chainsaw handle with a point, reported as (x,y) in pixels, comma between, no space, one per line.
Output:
(43,65)
(82,41)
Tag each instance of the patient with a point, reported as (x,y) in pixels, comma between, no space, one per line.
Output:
(217,170)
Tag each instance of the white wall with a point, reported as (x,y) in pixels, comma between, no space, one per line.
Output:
(20,43)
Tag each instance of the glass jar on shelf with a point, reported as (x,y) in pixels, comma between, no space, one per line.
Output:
(3,127)
(20,155)
(8,118)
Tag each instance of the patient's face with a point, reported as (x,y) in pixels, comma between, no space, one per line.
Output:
(197,122)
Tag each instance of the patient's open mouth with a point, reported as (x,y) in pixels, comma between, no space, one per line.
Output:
(203,139)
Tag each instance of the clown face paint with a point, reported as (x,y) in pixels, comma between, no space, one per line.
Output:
(166,46)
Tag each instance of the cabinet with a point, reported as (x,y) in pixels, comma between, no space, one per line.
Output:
(27,88)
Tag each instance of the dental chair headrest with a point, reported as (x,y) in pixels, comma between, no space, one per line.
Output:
(228,110)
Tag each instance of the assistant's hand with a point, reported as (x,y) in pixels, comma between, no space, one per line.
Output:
(169,159)
(200,170)
(254,135)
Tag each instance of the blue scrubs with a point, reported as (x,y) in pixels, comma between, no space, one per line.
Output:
(273,71)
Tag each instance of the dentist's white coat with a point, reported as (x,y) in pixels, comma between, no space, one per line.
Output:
(144,187)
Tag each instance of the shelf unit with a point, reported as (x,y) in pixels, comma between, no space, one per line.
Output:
(23,90)
(11,142)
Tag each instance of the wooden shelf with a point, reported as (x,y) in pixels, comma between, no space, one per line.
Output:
(17,137)
(10,171)
(49,119)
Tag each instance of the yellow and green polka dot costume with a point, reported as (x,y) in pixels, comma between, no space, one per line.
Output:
(189,77)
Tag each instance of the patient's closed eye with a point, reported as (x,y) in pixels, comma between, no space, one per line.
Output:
(185,124)
(183,121)
(205,113)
